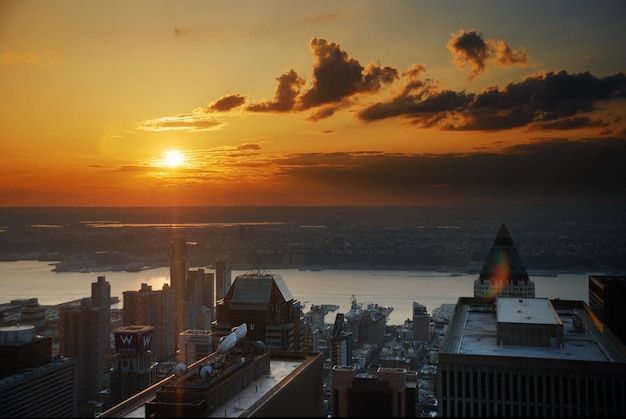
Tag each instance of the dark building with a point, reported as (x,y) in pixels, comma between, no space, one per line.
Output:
(378,392)
(32,382)
(222,277)
(133,368)
(340,343)
(240,379)
(263,301)
(179,266)
(156,309)
(523,357)
(79,339)
(607,297)
(503,273)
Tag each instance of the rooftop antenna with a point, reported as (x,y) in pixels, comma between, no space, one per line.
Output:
(258,270)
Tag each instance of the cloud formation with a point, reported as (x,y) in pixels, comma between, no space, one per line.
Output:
(543,101)
(469,49)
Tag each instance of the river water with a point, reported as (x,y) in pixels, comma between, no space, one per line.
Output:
(394,288)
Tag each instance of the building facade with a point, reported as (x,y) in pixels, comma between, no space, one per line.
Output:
(32,382)
(528,357)
(156,309)
(263,301)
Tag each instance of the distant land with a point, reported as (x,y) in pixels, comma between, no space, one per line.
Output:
(571,239)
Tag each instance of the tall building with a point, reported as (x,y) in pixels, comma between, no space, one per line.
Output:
(194,345)
(263,301)
(503,273)
(79,339)
(156,309)
(101,298)
(378,392)
(421,323)
(607,294)
(33,383)
(133,368)
(223,277)
(179,266)
(529,357)
(34,313)
(340,343)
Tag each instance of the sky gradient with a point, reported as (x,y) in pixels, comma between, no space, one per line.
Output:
(311,103)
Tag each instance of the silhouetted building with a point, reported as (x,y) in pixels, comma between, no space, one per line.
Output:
(101,298)
(156,309)
(79,339)
(263,301)
(421,323)
(34,313)
(340,343)
(242,379)
(503,273)
(179,266)
(222,277)
(194,345)
(378,392)
(523,357)
(607,300)
(133,367)
(32,383)
(367,324)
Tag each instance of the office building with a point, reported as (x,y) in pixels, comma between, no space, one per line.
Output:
(421,323)
(377,392)
(607,295)
(194,345)
(223,277)
(32,382)
(156,309)
(79,339)
(179,266)
(133,367)
(263,301)
(522,357)
(243,379)
(33,313)
(503,273)
(340,343)
(101,298)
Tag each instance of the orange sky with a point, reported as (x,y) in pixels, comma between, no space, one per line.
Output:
(316,103)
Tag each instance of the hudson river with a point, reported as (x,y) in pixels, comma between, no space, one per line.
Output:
(395,288)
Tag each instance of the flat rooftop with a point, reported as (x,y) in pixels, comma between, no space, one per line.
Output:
(474,326)
(279,370)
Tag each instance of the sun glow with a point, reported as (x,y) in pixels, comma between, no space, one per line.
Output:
(174,158)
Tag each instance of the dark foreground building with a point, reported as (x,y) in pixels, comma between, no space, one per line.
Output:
(529,357)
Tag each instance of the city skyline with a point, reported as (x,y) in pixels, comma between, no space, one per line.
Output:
(327,103)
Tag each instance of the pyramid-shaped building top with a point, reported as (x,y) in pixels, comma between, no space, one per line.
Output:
(503,273)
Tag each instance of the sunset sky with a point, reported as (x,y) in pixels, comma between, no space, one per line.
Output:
(207,103)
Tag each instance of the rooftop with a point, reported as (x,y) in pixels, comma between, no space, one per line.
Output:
(473,331)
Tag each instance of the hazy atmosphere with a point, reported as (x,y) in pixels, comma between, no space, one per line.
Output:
(202,103)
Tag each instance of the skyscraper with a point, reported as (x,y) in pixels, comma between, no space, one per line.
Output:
(503,273)
(222,277)
(33,384)
(179,266)
(101,298)
(153,308)
(263,301)
(78,339)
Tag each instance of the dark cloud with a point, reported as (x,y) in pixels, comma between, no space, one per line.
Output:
(546,169)
(469,49)
(550,100)
(289,85)
(225,103)
(337,76)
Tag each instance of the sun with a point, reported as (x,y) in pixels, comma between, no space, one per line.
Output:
(174,158)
